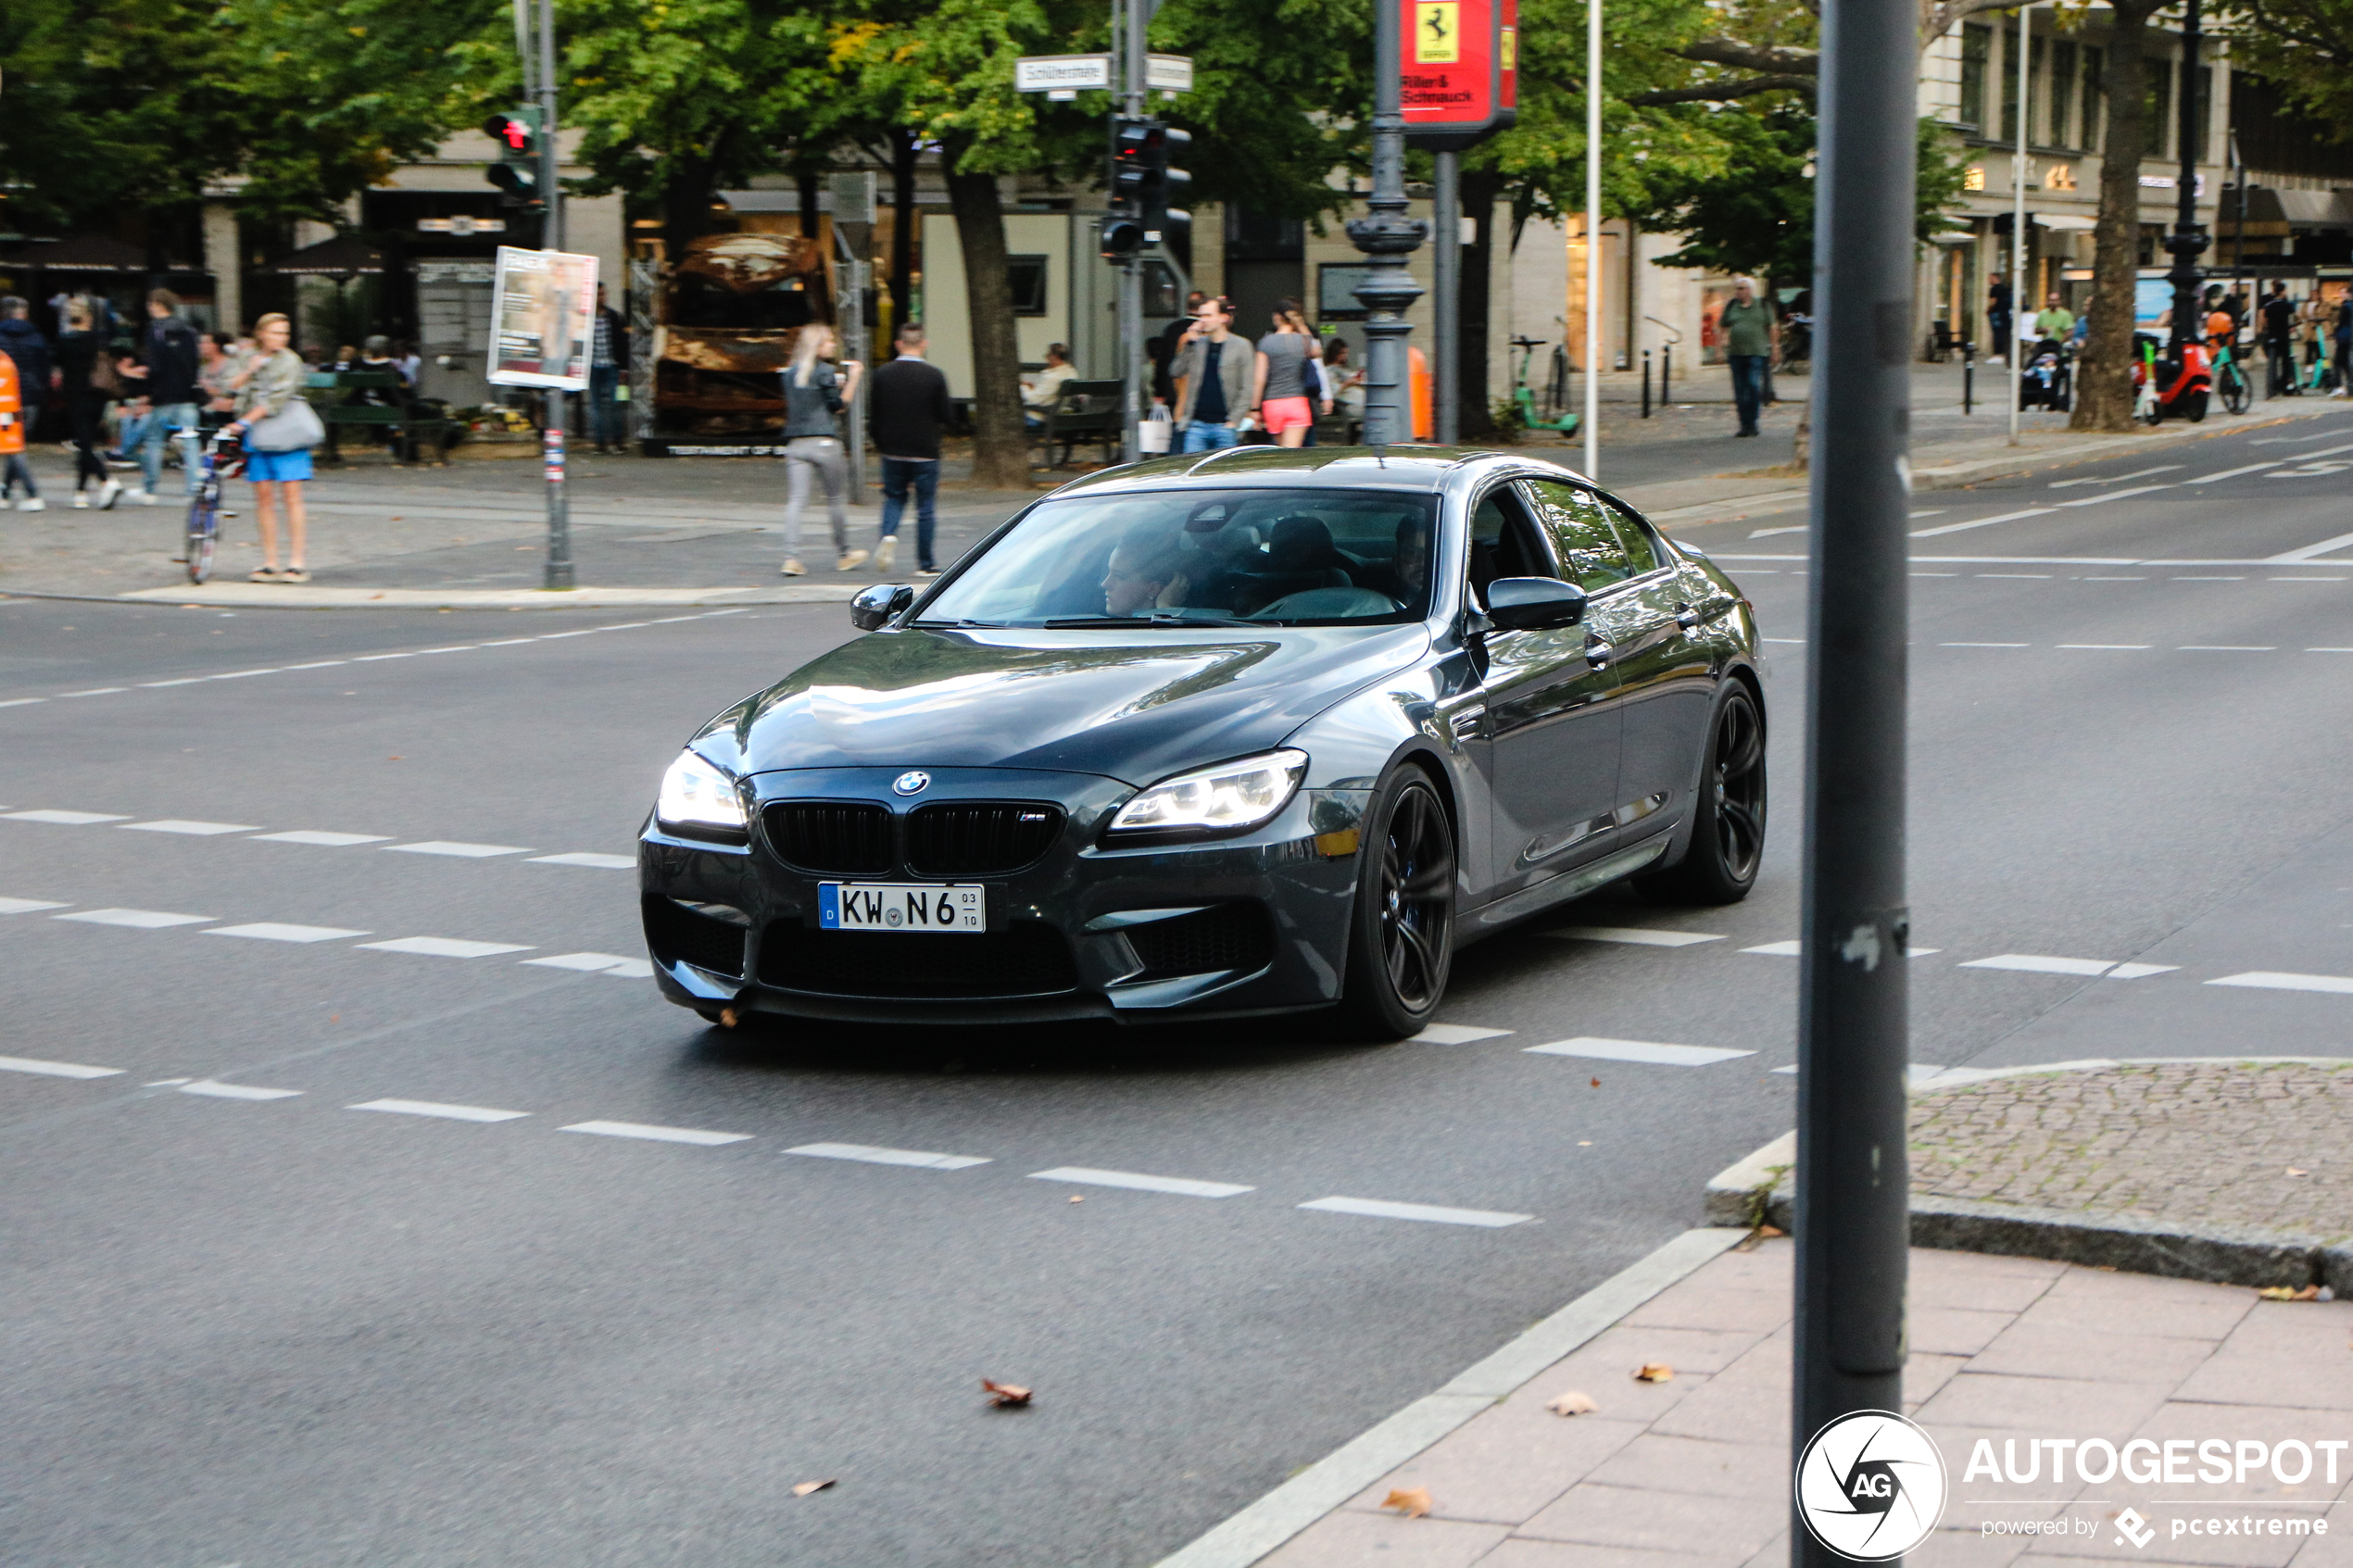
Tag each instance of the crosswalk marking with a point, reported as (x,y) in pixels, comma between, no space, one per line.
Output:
(273,931)
(143,919)
(66,819)
(916,1158)
(603,862)
(445,947)
(234,1091)
(450,847)
(1633,935)
(331,840)
(1600,1050)
(1377,1208)
(27,906)
(2037,963)
(1082,1175)
(180,824)
(1457,1035)
(1793,947)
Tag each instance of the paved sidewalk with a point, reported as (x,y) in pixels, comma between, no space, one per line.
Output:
(1694,1471)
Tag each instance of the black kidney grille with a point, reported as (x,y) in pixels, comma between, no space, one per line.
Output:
(677,934)
(981,837)
(1027,958)
(1237,936)
(839,838)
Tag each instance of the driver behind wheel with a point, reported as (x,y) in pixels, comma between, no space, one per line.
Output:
(1146,572)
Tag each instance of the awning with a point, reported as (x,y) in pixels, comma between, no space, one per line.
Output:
(82,253)
(1955,237)
(2062,222)
(345,255)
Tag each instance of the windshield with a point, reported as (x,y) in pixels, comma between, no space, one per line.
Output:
(1283,557)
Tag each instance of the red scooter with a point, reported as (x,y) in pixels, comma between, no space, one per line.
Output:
(2181,387)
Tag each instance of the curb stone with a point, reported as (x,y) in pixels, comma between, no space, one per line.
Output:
(1307,1496)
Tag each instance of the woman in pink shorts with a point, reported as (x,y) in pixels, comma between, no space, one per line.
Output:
(1287,386)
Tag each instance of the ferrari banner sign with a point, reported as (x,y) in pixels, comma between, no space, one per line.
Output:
(1459,71)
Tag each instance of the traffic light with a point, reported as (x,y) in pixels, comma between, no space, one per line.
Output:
(1124,226)
(1165,188)
(517,170)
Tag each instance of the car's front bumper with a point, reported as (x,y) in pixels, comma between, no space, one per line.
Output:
(1084,931)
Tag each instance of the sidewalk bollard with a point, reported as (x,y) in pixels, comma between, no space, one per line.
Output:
(1969,373)
(1666,374)
(1646,384)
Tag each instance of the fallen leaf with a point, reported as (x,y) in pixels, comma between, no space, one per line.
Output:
(1572,1403)
(1769,1231)
(334,1018)
(1654,1372)
(1597,1083)
(392,759)
(1005,1396)
(1413,1503)
(727,1018)
(808,1487)
(2294,1171)
(1076,1198)
(2284,1293)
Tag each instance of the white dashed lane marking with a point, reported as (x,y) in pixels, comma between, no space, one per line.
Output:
(2038,963)
(1081,1175)
(26,906)
(914,1157)
(1457,1035)
(1377,1209)
(596,963)
(193,829)
(1791,949)
(434,1108)
(463,852)
(445,947)
(143,919)
(602,863)
(2269,980)
(55,1069)
(1596,1048)
(211,1090)
(1633,935)
(273,930)
(66,819)
(657,1135)
(326,840)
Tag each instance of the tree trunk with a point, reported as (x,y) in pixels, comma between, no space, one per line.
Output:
(1001,447)
(1480,188)
(685,206)
(2104,381)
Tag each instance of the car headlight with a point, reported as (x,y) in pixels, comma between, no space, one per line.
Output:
(1227,798)
(700,800)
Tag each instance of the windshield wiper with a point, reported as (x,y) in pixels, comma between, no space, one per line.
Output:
(1077,623)
(959,623)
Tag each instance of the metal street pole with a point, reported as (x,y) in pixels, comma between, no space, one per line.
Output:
(2018,230)
(558,572)
(1853,1182)
(1387,235)
(1137,15)
(1593,238)
(2189,235)
(1447,254)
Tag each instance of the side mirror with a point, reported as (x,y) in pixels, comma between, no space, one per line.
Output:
(1532,603)
(874,606)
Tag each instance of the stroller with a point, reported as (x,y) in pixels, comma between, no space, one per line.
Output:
(2048,381)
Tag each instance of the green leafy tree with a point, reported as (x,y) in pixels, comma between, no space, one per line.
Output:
(2306,48)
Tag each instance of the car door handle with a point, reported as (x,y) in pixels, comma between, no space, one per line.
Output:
(1598,653)
(1686,617)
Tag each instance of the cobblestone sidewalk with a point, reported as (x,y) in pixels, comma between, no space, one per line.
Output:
(2258,1145)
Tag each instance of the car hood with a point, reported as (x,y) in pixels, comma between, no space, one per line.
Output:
(1132,706)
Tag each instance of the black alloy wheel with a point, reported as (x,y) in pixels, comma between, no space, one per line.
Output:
(1403,943)
(1728,827)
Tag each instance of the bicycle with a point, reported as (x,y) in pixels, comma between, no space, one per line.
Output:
(204,506)
(2230,381)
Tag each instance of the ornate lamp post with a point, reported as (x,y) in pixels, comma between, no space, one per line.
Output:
(1388,237)
(2188,240)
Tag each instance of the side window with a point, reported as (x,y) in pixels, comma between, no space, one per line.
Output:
(1643,553)
(1582,535)
(1503,542)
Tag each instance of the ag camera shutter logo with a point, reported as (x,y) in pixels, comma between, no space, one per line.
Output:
(1871,1485)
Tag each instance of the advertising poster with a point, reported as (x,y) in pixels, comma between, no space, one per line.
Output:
(540,328)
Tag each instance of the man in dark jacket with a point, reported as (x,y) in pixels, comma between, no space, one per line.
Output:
(22,342)
(906,404)
(165,370)
(608,358)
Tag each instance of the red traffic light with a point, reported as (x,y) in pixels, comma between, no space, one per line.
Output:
(514,134)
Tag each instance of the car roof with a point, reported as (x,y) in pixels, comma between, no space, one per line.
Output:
(1392,467)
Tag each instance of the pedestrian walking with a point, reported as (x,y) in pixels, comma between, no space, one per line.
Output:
(1282,377)
(1997,318)
(2279,344)
(814,396)
(13,468)
(906,408)
(1213,372)
(279,429)
(82,366)
(1750,332)
(2344,346)
(164,367)
(31,371)
(608,351)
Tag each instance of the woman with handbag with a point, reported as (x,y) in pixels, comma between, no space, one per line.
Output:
(280,428)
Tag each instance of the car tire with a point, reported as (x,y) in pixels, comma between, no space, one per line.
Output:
(1402,924)
(1728,819)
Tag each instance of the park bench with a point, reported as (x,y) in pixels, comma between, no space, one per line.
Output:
(1087,411)
(339,398)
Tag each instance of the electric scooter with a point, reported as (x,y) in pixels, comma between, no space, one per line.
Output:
(1525,399)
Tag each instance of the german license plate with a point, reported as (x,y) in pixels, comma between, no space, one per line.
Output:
(884,906)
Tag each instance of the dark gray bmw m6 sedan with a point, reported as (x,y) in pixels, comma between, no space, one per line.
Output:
(1259,731)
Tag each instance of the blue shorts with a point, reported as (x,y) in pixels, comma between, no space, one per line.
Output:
(263,466)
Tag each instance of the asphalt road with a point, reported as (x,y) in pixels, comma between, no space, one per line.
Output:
(269,1329)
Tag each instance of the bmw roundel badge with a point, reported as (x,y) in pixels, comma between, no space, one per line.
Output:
(913,782)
